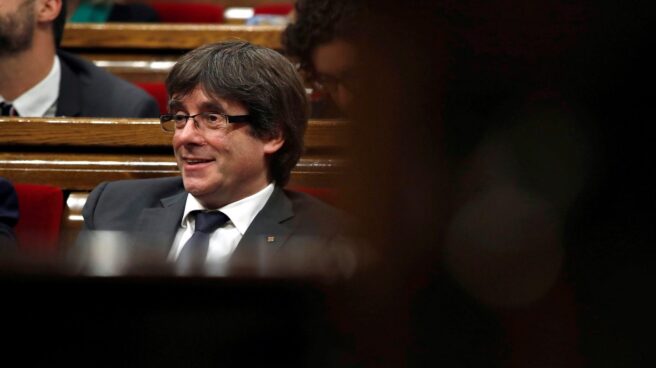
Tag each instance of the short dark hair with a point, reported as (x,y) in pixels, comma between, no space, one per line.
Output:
(318,22)
(261,79)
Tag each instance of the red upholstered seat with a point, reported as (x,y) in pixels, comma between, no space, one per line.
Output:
(158,91)
(273,9)
(40,214)
(188,12)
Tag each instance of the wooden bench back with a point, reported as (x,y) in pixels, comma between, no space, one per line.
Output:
(76,154)
(145,52)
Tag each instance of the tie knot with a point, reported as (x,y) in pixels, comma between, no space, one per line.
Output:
(7,109)
(207,222)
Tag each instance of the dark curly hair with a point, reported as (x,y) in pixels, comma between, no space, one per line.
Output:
(318,22)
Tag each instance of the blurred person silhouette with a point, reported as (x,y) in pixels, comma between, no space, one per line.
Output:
(610,232)
(110,11)
(238,114)
(39,80)
(8,214)
(400,191)
(551,178)
(482,146)
(321,39)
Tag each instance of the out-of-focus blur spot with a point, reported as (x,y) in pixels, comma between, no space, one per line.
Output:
(105,253)
(504,246)
(114,253)
(238,14)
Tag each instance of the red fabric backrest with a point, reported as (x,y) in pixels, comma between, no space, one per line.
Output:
(188,12)
(40,213)
(158,91)
(273,9)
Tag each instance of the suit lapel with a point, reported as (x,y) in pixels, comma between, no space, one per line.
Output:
(271,227)
(157,226)
(69,100)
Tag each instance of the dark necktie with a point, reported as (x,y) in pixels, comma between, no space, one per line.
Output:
(6,109)
(194,252)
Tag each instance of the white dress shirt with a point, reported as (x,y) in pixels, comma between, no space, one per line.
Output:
(40,100)
(223,240)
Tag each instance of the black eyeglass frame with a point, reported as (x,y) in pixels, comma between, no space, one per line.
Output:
(230,119)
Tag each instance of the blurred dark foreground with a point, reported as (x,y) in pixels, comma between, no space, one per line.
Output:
(164,321)
(124,309)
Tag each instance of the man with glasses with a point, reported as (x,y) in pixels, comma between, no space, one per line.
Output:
(237,115)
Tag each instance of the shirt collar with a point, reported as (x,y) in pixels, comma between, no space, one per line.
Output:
(241,213)
(38,100)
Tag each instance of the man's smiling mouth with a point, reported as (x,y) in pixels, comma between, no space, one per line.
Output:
(196,161)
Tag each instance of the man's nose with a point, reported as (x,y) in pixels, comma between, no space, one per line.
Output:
(190,133)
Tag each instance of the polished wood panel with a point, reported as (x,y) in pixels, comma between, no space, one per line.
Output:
(76,154)
(84,132)
(146,52)
(141,133)
(82,172)
(164,36)
(71,171)
(134,67)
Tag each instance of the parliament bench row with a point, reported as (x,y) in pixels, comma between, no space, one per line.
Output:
(74,155)
(145,52)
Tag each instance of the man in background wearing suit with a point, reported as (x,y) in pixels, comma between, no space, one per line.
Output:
(8,213)
(238,113)
(40,81)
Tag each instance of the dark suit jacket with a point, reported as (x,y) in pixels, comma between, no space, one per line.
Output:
(8,212)
(86,90)
(149,211)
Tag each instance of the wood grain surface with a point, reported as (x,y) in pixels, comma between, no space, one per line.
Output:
(164,36)
(78,153)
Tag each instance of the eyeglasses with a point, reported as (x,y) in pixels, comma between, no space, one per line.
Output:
(204,120)
(330,83)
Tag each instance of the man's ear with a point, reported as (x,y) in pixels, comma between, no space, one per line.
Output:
(48,10)
(272,145)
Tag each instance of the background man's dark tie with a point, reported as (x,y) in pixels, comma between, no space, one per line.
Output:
(194,252)
(7,109)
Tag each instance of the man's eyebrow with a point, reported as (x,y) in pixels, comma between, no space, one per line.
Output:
(175,105)
(205,106)
(211,106)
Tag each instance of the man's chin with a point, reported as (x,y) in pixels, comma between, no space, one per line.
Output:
(199,187)
(194,187)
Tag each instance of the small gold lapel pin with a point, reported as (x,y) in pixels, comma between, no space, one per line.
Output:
(271,239)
